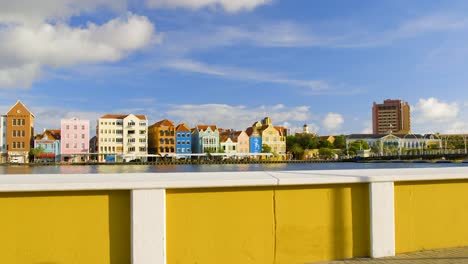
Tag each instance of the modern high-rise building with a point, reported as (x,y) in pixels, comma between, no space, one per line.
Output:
(393,116)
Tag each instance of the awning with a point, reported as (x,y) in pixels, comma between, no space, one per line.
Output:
(45,155)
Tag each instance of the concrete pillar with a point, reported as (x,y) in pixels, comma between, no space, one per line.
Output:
(148,226)
(382,222)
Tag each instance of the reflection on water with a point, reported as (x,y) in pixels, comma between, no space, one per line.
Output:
(77,169)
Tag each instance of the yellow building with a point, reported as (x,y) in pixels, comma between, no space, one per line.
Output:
(272,136)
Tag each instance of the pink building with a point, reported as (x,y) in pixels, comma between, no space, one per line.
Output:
(75,139)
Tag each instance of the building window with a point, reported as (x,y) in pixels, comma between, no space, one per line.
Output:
(14,133)
(142,132)
(75,136)
(82,145)
(131,123)
(82,136)
(142,123)
(14,122)
(131,140)
(67,145)
(142,149)
(14,145)
(142,140)
(68,127)
(131,149)
(22,133)
(82,127)
(22,145)
(75,145)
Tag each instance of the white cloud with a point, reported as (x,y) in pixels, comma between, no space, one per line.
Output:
(433,115)
(37,12)
(333,121)
(231,6)
(433,109)
(61,45)
(245,74)
(237,117)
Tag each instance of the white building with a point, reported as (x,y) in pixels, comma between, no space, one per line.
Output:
(228,145)
(397,141)
(3,141)
(122,137)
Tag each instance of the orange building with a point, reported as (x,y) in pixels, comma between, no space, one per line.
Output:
(161,138)
(20,131)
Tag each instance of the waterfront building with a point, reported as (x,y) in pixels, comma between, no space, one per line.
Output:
(122,137)
(161,138)
(255,139)
(227,143)
(205,138)
(19,133)
(397,141)
(93,148)
(274,137)
(3,141)
(393,116)
(75,140)
(242,140)
(49,144)
(183,139)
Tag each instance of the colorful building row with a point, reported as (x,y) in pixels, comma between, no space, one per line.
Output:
(126,137)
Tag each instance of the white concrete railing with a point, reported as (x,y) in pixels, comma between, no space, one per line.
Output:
(148,198)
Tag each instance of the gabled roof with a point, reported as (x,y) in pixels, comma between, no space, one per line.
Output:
(50,133)
(120,116)
(183,128)
(19,102)
(205,127)
(164,122)
(281,130)
(224,138)
(236,134)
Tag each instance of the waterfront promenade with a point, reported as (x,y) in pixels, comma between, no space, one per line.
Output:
(438,256)
(249,217)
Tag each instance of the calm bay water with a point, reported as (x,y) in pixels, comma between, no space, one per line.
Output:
(90,169)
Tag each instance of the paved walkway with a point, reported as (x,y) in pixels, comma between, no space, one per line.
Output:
(440,256)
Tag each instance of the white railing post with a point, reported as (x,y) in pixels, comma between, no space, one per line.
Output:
(148,226)
(382,222)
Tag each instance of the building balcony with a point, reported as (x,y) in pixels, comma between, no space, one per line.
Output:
(292,217)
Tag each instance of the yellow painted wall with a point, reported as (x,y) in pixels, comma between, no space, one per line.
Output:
(431,215)
(243,225)
(65,227)
(319,223)
(220,226)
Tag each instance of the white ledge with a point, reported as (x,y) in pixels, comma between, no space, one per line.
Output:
(135,181)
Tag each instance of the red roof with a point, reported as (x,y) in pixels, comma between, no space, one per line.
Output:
(205,127)
(182,128)
(164,122)
(119,116)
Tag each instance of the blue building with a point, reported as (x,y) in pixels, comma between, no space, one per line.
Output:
(49,143)
(255,139)
(183,139)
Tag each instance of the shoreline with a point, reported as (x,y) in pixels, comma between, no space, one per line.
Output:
(232,162)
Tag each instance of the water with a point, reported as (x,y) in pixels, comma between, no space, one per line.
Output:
(90,169)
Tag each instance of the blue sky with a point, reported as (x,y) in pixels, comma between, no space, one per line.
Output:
(230,63)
